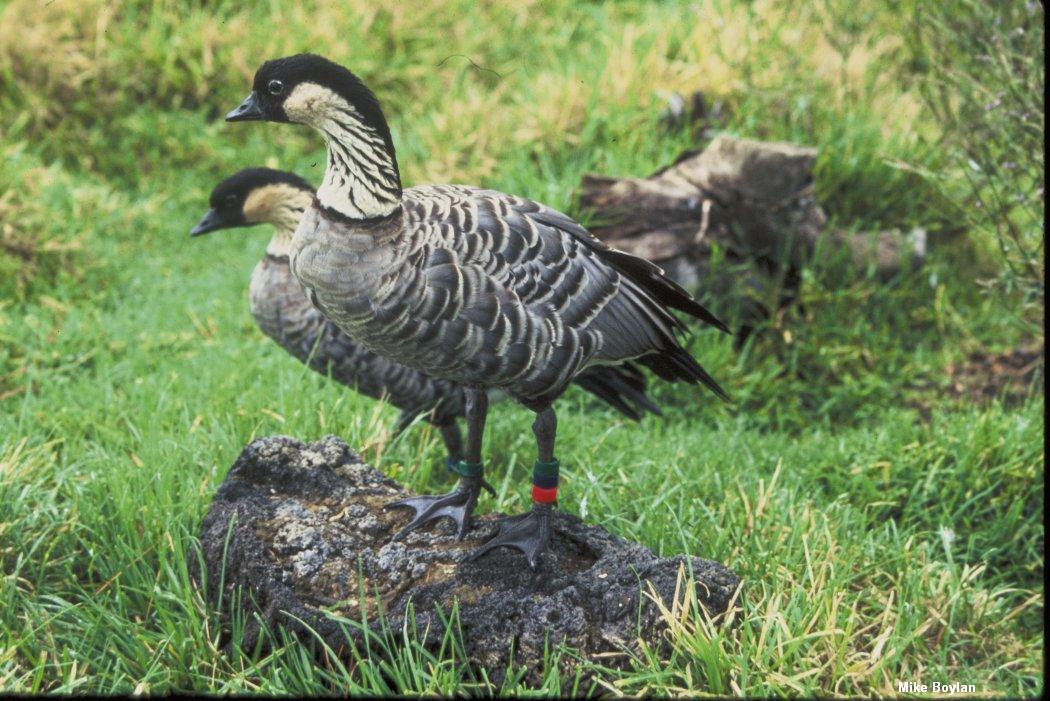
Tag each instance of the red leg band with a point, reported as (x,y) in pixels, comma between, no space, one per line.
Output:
(544,496)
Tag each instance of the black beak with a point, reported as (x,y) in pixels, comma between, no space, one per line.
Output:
(248,111)
(209,222)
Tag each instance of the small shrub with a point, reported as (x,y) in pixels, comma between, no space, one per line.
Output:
(982,75)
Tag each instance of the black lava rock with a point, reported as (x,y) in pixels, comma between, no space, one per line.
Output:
(301,530)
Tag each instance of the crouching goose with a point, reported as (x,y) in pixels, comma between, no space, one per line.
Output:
(470,285)
(284,313)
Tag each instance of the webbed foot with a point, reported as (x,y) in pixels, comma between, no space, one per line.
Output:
(529,532)
(457,505)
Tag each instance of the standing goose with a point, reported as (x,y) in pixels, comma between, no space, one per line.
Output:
(284,313)
(471,285)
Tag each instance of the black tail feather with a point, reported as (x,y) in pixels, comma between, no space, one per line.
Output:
(632,384)
(602,391)
(651,278)
(676,365)
(623,388)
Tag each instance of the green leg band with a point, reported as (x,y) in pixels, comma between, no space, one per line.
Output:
(546,470)
(468,469)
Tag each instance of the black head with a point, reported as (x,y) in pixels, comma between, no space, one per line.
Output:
(229,196)
(280,79)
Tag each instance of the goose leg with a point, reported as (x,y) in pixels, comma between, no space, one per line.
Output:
(460,502)
(530,532)
(453,444)
(449,435)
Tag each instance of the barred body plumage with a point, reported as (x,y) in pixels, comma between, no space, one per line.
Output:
(483,288)
(284,313)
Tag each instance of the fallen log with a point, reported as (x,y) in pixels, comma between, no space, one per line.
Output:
(752,199)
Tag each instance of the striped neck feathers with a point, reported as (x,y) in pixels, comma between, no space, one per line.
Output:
(361,180)
(279,204)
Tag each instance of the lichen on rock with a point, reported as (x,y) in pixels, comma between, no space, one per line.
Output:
(302,529)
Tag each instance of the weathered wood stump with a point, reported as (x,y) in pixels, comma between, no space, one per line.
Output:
(755,201)
(302,530)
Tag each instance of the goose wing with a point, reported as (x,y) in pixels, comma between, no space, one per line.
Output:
(521,257)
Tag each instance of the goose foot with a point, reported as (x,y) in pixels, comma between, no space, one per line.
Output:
(529,532)
(457,505)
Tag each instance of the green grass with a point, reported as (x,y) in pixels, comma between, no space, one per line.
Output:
(886,532)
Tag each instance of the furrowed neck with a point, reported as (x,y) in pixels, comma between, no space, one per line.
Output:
(361,179)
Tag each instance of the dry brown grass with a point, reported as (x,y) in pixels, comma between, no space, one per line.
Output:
(102,59)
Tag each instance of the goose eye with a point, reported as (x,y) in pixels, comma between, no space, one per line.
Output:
(231,200)
(275,87)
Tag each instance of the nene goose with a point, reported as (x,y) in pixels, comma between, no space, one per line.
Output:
(283,312)
(466,284)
